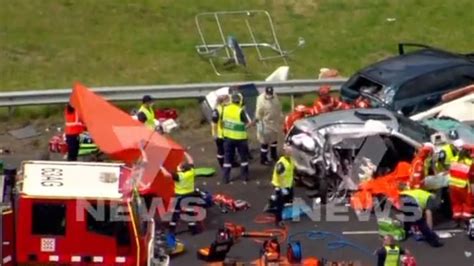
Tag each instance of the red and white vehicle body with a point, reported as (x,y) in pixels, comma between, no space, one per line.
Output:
(78,213)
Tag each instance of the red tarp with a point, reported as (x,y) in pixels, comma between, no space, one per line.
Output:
(118,135)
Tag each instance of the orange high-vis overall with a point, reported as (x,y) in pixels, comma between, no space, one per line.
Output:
(460,177)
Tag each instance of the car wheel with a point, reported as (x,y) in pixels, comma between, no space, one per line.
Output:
(335,191)
(323,190)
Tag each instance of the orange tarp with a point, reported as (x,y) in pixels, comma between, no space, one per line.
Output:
(388,186)
(119,136)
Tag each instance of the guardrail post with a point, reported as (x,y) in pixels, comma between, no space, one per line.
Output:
(11,109)
(292,102)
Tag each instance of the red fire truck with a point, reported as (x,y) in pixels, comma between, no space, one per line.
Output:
(76,213)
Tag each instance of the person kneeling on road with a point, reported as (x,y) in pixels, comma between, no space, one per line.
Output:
(184,180)
(282,180)
(417,207)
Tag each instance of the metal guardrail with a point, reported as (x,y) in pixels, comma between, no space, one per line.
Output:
(163,92)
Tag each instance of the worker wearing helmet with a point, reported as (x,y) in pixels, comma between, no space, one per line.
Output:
(327,103)
(299,112)
(444,157)
(461,181)
(217,128)
(268,116)
(235,122)
(361,102)
(420,166)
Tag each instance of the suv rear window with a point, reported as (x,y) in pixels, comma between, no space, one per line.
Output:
(358,83)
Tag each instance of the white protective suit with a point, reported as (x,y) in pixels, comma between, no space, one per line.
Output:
(270,118)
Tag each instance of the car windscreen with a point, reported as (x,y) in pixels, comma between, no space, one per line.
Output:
(414,130)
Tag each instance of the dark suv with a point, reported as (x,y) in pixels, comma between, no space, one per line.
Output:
(412,82)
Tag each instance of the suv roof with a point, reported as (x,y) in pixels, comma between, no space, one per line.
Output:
(352,116)
(399,69)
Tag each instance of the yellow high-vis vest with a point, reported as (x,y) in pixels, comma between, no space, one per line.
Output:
(419,195)
(459,173)
(233,126)
(150,116)
(185,185)
(284,180)
(220,133)
(393,256)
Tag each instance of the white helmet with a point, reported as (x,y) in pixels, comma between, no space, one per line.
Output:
(458,143)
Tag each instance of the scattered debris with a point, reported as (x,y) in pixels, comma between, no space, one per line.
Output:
(5,151)
(24,133)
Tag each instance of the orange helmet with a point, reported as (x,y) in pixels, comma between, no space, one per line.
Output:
(426,150)
(300,108)
(324,90)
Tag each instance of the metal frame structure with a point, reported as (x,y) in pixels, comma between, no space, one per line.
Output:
(209,51)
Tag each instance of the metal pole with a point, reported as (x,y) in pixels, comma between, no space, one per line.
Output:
(222,34)
(254,40)
(275,38)
(292,102)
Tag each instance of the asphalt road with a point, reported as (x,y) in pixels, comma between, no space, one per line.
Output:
(256,192)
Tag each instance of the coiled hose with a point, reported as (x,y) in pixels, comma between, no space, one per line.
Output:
(339,242)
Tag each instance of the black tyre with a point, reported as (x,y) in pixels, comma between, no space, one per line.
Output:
(323,190)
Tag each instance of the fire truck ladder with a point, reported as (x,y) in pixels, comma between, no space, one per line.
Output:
(233,49)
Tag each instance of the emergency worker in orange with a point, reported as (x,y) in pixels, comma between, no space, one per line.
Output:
(461,181)
(73,129)
(299,112)
(420,166)
(361,102)
(327,103)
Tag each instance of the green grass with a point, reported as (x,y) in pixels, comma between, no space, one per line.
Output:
(52,43)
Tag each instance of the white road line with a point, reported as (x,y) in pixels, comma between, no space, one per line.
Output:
(377,232)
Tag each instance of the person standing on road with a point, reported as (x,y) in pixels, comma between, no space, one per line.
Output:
(461,179)
(73,129)
(282,181)
(421,165)
(235,122)
(390,254)
(146,111)
(184,181)
(217,128)
(268,116)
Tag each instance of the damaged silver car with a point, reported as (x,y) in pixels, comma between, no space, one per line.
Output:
(332,150)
